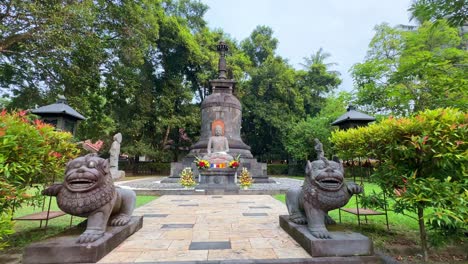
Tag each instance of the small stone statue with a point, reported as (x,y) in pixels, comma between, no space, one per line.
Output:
(88,191)
(319,149)
(218,147)
(114,157)
(324,189)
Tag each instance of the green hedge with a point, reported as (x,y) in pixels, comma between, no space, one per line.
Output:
(277,169)
(146,168)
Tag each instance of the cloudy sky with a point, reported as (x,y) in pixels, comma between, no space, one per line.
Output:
(343,28)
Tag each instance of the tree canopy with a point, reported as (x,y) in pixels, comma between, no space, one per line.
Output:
(142,67)
(425,67)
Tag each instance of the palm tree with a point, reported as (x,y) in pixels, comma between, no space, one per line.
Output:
(319,58)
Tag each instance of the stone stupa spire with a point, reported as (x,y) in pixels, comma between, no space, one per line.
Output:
(222,48)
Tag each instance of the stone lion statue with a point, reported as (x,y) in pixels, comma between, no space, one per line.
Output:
(88,191)
(324,189)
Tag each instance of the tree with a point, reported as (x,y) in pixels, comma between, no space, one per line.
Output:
(300,139)
(316,81)
(422,165)
(423,67)
(319,58)
(260,45)
(454,11)
(271,104)
(128,66)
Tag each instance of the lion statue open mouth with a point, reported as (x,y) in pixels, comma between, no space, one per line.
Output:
(88,191)
(324,189)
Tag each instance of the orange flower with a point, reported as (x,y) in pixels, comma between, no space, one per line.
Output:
(56,154)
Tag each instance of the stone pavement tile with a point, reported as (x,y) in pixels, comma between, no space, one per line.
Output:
(174,226)
(213,227)
(178,234)
(279,242)
(221,235)
(269,233)
(179,255)
(147,215)
(200,235)
(156,234)
(243,234)
(179,245)
(263,253)
(210,245)
(121,257)
(291,253)
(230,254)
(260,243)
(145,245)
(148,228)
(175,220)
(154,224)
(240,243)
(255,214)
(244,226)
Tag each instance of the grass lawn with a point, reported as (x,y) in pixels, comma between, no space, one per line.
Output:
(27,232)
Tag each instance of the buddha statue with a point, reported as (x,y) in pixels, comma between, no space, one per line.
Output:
(218,147)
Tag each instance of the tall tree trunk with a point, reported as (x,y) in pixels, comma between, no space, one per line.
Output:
(166,136)
(422,233)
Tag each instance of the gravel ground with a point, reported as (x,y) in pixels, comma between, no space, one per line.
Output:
(154,183)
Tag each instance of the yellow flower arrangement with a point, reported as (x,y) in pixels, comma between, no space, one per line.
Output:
(186,178)
(245,179)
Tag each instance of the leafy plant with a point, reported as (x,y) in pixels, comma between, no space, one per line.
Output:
(31,154)
(422,164)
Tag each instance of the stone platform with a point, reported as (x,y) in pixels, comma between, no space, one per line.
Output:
(64,249)
(342,243)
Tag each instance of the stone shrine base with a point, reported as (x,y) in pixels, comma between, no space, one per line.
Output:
(218,179)
(257,170)
(341,244)
(64,249)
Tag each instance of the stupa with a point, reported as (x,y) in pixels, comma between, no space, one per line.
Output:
(221,108)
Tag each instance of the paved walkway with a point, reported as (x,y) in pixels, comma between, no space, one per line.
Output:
(238,227)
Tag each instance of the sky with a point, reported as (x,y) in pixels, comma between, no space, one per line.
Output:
(342,28)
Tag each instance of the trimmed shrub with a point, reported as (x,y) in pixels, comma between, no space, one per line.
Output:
(422,164)
(277,169)
(145,168)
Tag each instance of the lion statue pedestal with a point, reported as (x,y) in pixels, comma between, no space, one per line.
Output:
(324,189)
(88,191)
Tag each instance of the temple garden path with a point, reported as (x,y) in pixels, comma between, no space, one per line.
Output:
(204,228)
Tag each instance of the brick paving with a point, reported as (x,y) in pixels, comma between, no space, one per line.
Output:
(246,225)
